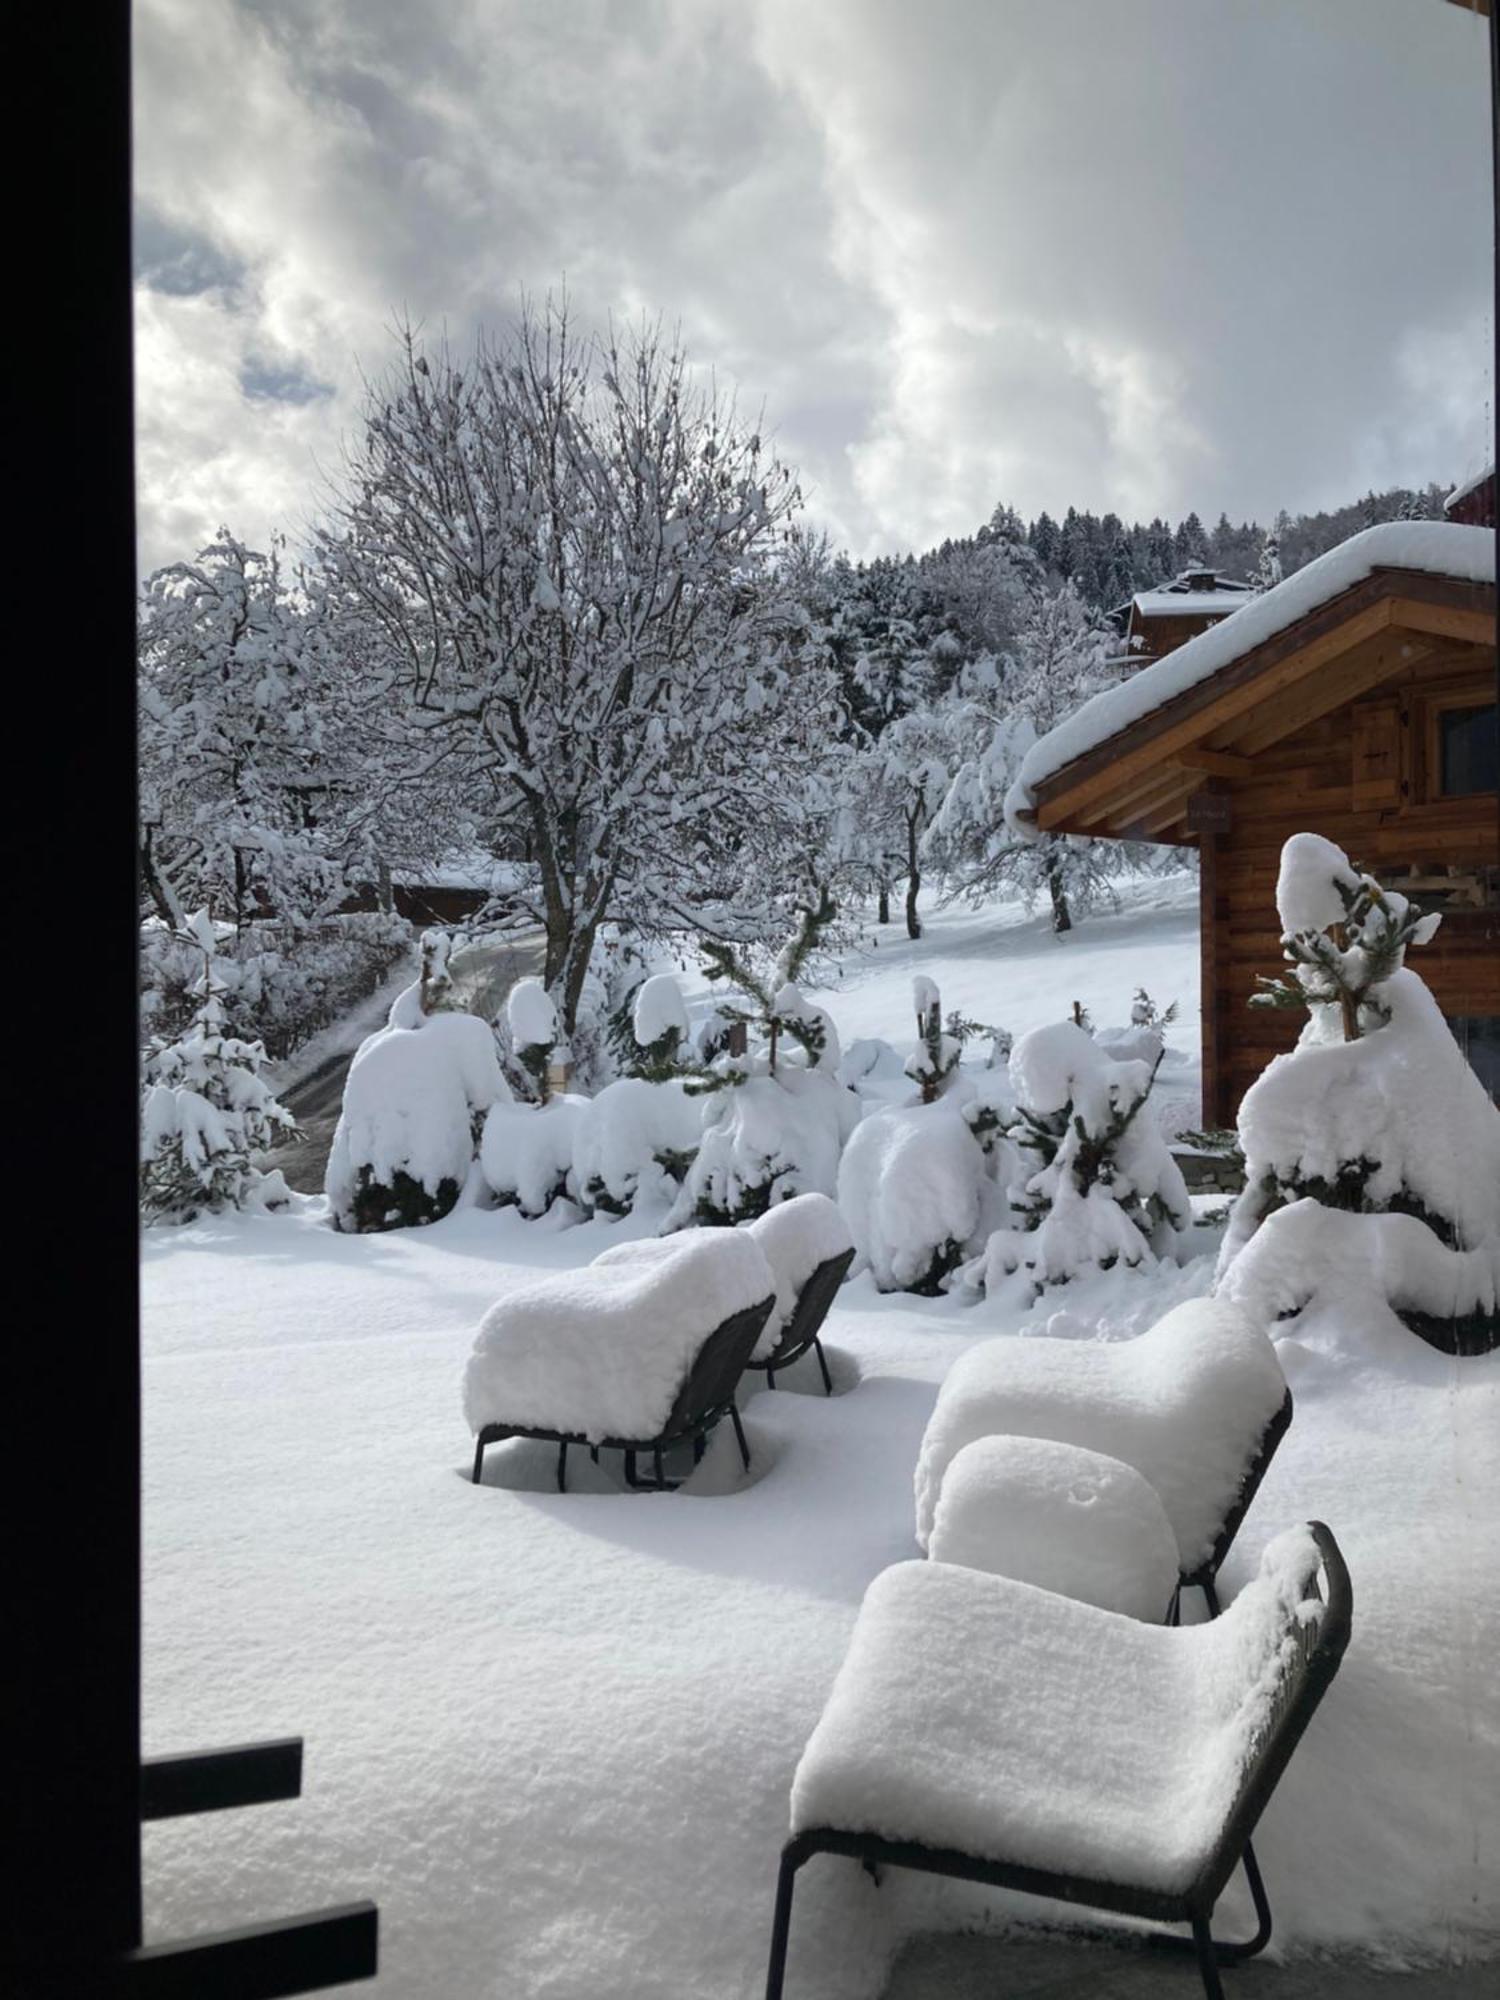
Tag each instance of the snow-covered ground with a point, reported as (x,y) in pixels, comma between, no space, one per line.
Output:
(553,1735)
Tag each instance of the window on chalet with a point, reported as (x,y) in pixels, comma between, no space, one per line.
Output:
(1468,759)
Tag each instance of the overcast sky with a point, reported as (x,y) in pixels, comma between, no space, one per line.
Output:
(1148,255)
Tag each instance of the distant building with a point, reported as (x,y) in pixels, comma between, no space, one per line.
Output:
(1156,621)
(1473,505)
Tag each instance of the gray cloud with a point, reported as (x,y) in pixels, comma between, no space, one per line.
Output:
(1148,258)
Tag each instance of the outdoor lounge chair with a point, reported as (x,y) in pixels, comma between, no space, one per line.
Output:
(985,1729)
(1197,1405)
(808,1245)
(639,1352)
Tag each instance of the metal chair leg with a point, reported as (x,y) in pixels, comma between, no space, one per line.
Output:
(781,1927)
(656,1466)
(1208,1961)
(770,1378)
(478,1460)
(739,1431)
(1210,1596)
(823,1364)
(562,1467)
(700,1445)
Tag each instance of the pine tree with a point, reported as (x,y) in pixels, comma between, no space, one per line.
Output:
(207,1111)
(937,1054)
(1267,572)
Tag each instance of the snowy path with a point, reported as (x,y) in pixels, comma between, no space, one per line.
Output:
(553,1735)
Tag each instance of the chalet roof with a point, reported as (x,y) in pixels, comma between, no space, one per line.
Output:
(1441,549)
(1167,602)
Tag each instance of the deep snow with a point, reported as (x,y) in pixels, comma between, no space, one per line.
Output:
(554,1735)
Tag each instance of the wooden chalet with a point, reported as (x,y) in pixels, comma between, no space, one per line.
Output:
(1156,621)
(1357,700)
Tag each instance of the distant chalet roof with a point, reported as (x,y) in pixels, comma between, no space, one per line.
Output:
(1460,502)
(1192,593)
(1435,548)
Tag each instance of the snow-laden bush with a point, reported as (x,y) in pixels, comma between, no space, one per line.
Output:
(933,1062)
(633,1143)
(207,1110)
(406,1138)
(532,1032)
(915,1189)
(775,1119)
(280,983)
(1106,1192)
(526,1151)
(765,1139)
(1375,1112)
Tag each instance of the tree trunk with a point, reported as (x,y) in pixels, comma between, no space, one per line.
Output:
(913,878)
(1062,916)
(883,905)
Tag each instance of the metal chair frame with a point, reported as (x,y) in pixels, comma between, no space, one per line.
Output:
(705,1398)
(1305,1678)
(1204,1577)
(806,1319)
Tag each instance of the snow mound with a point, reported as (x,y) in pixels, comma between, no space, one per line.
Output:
(659,1010)
(602,1352)
(914,1189)
(526,1152)
(1306,1254)
(531,1015)
(1185,1404)
(1069,1520)
(620,1133)
(979,1713)
(410,1102)
(796,1237)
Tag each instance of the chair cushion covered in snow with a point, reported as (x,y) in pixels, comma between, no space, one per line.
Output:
(1060,1517)
(602,1352)
(984,1716)
(1186,1403)
(795,1237)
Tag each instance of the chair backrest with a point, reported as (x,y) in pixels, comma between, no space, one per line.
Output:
(814,1299)
(1272,1435)
(718,1366)
(1311,1649)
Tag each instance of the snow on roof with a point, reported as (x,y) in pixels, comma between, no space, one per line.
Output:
(1439,548)
(1168,603)
(1471,486)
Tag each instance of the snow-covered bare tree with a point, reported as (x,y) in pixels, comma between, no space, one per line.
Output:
(565,547)
(999,708)
(234,768)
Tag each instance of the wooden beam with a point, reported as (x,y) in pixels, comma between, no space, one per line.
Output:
(1446,621)
(1218,763)
(1342,681)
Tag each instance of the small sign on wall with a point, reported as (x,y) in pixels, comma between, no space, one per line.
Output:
(1210,812)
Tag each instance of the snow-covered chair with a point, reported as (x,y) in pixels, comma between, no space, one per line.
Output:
(809,1248)
(1066,1519)
(639,1351)
(983,1728)
(1197,1405)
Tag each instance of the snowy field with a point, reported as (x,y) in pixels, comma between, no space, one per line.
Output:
(553,1735)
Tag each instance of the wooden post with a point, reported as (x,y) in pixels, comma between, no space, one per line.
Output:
(1210,812)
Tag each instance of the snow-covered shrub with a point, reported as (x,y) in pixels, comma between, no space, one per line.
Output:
(526,1152)
(531,1019)
(659,1028)
(936,1056)
(774,1120)
(915,1190)
(407,1133)
(765,1139)
(280,983)
(1375,1112)
(1106,1190)
(207,1111)
(633,1143)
